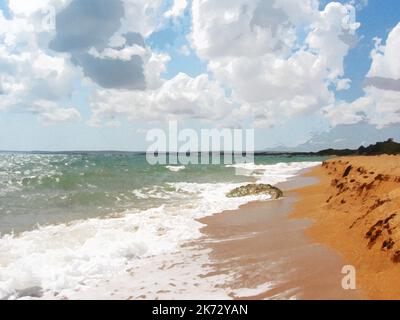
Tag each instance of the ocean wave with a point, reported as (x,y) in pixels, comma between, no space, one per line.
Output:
(65,257)
(175,168)
(153,192)
(60,260)
(69,256)
(272,173)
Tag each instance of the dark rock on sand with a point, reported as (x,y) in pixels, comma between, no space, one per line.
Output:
(256,189)
(347,171)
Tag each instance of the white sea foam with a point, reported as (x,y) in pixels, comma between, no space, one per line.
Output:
(153,192)
(84,258)
(175,168)
(175,275)
(62,258)
(252,292)
(65,257)
(274,173)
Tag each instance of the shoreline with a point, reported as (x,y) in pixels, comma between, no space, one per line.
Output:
(267,251)
(340,213)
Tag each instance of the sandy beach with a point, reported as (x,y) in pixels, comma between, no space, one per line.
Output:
(268,252)
(199,150)
(355,208)
(341,213)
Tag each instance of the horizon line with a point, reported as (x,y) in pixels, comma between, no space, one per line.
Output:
(144,152)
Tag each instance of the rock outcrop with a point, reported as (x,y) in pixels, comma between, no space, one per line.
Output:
(256,189)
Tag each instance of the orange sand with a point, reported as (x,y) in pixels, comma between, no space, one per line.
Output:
(258,244)
(357,212)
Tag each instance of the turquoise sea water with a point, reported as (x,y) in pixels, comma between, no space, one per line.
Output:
(52,188)
(73,223)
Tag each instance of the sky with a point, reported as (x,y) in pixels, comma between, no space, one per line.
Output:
(98,74)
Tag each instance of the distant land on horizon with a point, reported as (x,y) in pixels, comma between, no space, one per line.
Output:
(389,147)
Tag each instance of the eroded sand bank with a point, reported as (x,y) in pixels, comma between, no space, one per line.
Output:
(356,209)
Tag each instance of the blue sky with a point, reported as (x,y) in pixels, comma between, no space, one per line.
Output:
(45,127)
(376,21)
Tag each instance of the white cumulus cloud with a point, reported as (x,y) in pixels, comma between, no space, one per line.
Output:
(177,9)
(385,58)
(179,98)
(278,57)
(380,104)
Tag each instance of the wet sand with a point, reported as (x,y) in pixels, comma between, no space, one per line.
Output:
(268,252)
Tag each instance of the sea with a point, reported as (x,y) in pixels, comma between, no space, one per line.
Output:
(109,225)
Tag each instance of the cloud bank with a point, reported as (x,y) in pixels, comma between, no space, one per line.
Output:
(266,62)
